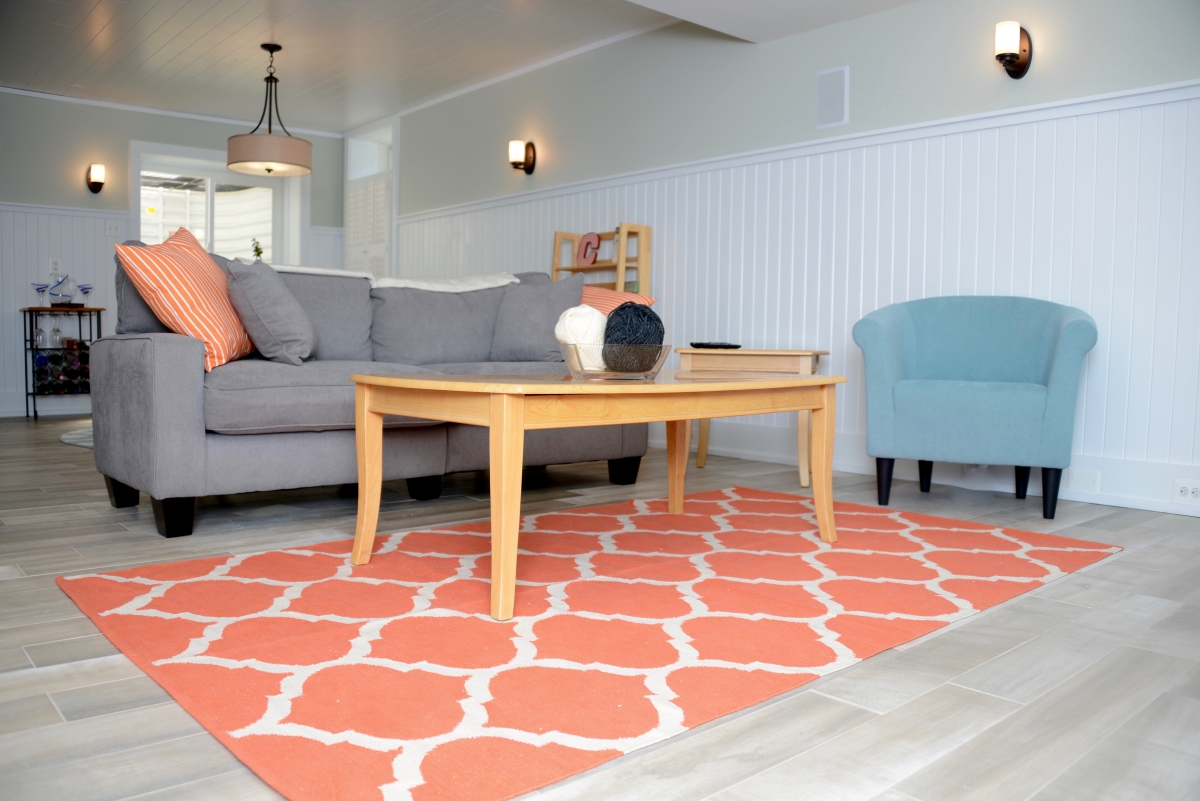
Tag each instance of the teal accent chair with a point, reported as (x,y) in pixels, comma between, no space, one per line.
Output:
(974,380)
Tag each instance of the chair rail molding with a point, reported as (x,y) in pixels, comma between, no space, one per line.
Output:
(1093,203)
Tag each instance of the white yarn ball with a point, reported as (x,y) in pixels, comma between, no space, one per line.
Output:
(584,325)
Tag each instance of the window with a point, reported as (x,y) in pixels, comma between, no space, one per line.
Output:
(367,198)
(231,219)
(243,216)
(171,201)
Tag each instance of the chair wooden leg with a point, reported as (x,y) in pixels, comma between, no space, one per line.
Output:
(1051,478)
(926,470)
(1022,482)
(883,479)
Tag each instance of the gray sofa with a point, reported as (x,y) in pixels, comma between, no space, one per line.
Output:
(165,427)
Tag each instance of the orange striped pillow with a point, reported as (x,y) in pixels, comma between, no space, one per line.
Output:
(187,291)
(605,300)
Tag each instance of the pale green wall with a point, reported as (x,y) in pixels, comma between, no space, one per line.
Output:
(46,145)
(683,93)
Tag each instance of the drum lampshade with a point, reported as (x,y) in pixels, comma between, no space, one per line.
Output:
(274,155)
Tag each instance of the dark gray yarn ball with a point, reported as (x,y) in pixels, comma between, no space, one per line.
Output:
(632,324)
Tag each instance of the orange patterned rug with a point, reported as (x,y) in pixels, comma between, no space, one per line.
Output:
(390,681)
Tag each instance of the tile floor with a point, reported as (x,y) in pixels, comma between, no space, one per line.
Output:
(1086,689)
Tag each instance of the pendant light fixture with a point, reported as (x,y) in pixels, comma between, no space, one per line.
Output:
(270,153)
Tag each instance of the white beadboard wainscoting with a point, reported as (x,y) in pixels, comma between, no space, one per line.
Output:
(324,248)
(29,237)
(1093,203)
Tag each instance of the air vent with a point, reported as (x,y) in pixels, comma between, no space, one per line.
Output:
(833,97)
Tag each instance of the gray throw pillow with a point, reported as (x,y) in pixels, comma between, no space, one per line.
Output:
(416,326)
(276,322)
(528,314)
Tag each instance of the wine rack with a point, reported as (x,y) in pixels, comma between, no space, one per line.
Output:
(63,368)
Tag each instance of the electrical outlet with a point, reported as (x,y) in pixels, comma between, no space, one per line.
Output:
(55,265)
(1080,480)
(112,228)
(1187,490)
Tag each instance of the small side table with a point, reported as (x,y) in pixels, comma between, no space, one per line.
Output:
(60,370)
(792,362)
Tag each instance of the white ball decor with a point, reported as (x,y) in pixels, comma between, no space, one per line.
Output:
(584,325)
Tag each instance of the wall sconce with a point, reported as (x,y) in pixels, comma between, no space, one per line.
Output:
(95,178)
(522,155)
(1014,48)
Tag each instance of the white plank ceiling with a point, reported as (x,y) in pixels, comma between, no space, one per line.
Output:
(343,64)
(766,20)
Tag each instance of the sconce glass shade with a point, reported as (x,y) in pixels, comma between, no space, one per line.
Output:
(270,154)
(95,178)
(522,155)
(1008,38)
(1014,48)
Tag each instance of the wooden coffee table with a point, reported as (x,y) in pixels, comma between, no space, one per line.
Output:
(511,405)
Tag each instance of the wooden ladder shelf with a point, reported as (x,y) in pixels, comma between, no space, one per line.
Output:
(622,260)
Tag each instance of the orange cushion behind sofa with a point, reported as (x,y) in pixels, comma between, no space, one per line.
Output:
(187,290)
(605,299)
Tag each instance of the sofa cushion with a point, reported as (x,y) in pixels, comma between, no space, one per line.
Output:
(277,323)
(339,308)
(526,320)
(256,396)
(500,368)
(978,422)
(413,326)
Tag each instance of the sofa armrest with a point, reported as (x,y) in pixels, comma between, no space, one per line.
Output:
(148,412)
(1076,335)
(884,337)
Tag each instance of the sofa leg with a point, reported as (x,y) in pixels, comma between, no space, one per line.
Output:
(883,479)
(348,491)
(624,471)
(926,470)
(1022,482)
(174,516)
(121,495)
(1051,478)
(425,488)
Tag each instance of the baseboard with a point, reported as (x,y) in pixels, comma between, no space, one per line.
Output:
(1123,483)
(12,404)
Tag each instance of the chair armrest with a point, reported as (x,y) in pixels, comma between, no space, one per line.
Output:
(885,336)
(148,412)
(1076,335)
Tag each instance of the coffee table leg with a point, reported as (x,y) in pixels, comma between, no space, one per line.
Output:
(507,451)
(823,424)
(702,445)
(368,433)
(803,448)
(678,447)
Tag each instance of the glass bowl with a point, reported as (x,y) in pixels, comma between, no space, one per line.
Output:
(628,362)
